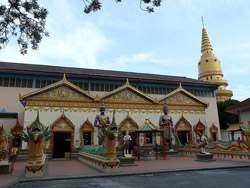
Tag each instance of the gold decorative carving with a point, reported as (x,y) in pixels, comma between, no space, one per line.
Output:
(62,93)
(128,96)
(62,124)
(128,121)
(183,125)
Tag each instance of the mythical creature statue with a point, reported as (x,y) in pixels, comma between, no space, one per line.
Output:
(37,137)
(246,133)
(109,135)
(126,144)
(101,122)
(5,145)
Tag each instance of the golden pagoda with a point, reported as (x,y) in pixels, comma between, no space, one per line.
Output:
(210,69)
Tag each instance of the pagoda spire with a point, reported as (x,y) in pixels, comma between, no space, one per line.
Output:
(209,67)
(205,42)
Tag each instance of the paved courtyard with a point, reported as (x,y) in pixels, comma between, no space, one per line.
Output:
(66,169)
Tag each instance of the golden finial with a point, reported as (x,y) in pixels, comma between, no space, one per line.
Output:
(180,86)
(64,77)
(202,22)
(127,83)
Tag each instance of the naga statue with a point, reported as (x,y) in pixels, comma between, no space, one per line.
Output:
(5,145)
(103,157)
(246,133)
(37,137)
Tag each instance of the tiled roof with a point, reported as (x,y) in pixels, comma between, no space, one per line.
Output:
(47,69)
(238,106)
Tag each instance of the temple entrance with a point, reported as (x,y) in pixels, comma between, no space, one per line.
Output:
(184,130)
(62,143)
(183,136)
(62,137)
(87,138)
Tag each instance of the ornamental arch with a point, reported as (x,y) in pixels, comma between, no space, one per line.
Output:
(184,130)
(87,133)
(62,137)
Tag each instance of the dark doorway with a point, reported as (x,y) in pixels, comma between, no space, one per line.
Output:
(183,136)
(62,143)
(87,138)
(18,141)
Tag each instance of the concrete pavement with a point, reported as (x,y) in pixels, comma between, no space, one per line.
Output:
(73,169)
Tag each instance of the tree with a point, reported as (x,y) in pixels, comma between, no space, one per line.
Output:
(26,20)
(226,118)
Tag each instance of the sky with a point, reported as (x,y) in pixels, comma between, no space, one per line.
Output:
(123,37)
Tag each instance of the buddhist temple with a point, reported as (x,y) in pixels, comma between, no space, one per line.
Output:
(210,70)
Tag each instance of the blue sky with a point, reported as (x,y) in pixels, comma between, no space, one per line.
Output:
(123,37)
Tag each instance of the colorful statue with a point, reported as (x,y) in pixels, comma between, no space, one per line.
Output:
(126,144)
(165,123)
(165,120)
(37,137)
(203,144)
(246,133)
(5,145)
(101,122)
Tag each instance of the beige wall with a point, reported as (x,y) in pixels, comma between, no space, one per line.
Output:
(10,101)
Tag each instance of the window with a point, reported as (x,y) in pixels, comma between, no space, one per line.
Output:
(6,82)
(92,87)
(18,82)
(38,84)
(1,81)
(101,87)
(30,83)
(12,82)
(86,86)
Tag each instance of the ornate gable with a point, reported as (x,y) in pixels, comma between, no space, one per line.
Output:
(127,94)
(61,91)
(128,121)
(183,124)
(181,96)
(200,126)
(17,129)
(62,124)
(87,126)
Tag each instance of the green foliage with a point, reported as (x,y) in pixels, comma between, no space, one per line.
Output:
(226,118)
(95,5)
(24,20)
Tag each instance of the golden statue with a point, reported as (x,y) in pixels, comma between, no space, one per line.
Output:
(5,145)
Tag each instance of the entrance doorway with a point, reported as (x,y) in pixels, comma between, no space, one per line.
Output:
(87,138)
(183,136)
(62,144)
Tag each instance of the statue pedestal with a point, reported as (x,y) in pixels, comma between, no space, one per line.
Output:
(35,169)
(127,161)
(5,167)
(99,162)
(203,157)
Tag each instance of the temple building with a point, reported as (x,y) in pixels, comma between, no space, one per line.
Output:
(210,70)
(68,100)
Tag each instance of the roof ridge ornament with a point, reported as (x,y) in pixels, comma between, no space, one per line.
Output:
(180,86)
(127,82)
(64,77)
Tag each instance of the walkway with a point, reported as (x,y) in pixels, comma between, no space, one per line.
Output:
(72,168)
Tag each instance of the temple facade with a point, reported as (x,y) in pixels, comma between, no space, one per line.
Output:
(210,70)
(68,103)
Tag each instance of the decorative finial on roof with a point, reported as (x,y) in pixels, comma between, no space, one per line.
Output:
(63,115)
(202,22)
(127,82)
(37,118)
(64,77)
(180,86)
